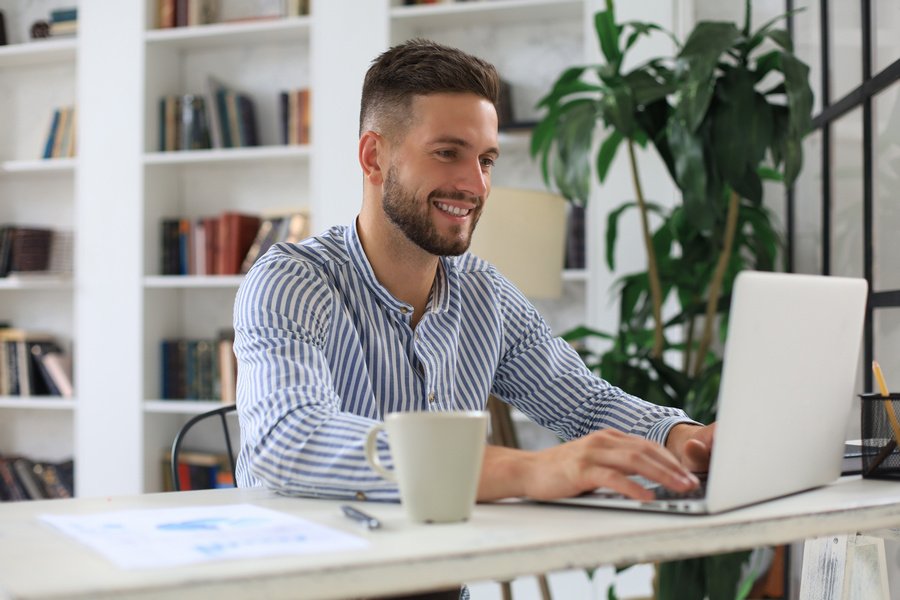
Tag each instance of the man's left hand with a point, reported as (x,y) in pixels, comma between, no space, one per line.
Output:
(692,445)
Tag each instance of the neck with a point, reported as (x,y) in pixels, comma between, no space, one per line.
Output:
(404,269)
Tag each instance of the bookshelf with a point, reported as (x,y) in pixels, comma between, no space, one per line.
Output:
(118,307)
(37,77)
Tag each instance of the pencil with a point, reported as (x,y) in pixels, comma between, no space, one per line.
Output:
(888,405)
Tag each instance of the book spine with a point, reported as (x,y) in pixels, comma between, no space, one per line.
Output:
(51,134)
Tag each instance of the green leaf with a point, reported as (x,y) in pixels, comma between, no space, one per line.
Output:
(640,29)
(697,62)
(574,138)
(607,153)
(608,35)
(800,99)
(733,124)
(568,89)
(690,170)
(766,63)
(612,231)
(618,110)
(782,38)
(645,88)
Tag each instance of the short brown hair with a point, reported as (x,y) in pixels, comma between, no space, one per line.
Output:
(420,67)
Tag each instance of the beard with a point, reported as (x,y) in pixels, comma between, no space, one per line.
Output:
(411,217)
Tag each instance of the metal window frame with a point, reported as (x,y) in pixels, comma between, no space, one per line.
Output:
(860,97)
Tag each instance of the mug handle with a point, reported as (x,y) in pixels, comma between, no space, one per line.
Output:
(372,454)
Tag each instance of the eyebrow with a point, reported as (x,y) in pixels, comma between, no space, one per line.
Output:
(456,141)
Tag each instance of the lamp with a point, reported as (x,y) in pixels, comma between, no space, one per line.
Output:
(522,233)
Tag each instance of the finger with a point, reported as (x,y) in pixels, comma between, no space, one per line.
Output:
(697,455)
(608,478)
(639,457)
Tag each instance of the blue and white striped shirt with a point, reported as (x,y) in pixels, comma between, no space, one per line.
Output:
(325,351)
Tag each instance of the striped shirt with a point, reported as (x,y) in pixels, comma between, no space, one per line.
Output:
(325,351)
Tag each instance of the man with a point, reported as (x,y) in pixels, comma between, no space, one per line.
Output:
(390,314)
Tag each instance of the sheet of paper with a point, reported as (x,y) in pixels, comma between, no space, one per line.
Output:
(146,539)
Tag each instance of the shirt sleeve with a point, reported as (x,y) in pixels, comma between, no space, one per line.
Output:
(294,437)
(546,379)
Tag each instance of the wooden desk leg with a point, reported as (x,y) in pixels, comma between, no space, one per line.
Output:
(843,567)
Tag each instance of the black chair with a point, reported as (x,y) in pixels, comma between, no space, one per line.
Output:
(179,438)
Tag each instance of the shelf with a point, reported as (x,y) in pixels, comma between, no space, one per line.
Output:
(180,407)
(37,403)
(275,30)
(192,281)
(40,165)
(497,12)
(36,282)
(223,155)
(39,52)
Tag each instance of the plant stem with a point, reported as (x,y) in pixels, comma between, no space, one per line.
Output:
(689,345)
(652,269)
(715,285)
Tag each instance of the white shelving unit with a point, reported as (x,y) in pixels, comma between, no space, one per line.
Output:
(35,78)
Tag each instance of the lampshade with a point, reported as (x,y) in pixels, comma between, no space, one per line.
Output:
(522,233)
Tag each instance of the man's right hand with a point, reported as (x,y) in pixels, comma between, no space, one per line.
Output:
(603,458)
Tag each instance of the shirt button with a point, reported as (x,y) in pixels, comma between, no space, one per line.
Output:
(431,396)
(361,496)
(404,310)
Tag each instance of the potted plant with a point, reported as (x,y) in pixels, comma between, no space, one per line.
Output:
(726,112)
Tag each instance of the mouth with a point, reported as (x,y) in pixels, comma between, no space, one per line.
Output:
(453,210)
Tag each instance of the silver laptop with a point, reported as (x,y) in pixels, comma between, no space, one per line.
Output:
(791,358)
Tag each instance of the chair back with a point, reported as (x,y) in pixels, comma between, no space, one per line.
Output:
(219,413)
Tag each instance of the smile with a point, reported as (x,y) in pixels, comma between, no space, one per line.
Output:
(453,210)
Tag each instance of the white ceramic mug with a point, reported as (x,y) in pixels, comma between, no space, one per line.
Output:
(437,461)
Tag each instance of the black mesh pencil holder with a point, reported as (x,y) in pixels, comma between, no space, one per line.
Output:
(879,429)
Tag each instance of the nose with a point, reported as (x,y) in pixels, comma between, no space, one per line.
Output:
(473,179)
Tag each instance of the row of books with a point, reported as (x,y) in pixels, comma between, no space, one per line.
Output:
(33,364)
(227,244)
(295,117)
(35,250)
(188,13)
(197,470)
(226,118)
(60,142)
(25,479)
(185,13)
(199,369)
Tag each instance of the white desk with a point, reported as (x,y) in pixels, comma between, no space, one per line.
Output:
(501,541)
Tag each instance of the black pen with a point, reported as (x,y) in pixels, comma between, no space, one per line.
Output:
(360,517)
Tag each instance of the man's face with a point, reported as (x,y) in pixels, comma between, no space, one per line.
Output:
(440,171)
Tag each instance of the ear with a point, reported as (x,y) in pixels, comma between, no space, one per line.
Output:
(372,147)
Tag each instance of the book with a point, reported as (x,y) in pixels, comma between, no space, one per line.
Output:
(30,249)
(215,110)
(227,363)
(23,469)
(12,488)
(51,134)
(202,12)
(64,114)
(54,368)
(194,128)
(165,14)
(235,236)
(247,121)
(61,15)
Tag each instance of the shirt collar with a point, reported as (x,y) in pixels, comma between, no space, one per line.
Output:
(440,290)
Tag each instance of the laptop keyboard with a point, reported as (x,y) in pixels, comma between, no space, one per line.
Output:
(697,493)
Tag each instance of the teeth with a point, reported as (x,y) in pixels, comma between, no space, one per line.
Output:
(456,212)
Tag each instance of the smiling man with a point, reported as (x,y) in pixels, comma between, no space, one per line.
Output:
(391,314)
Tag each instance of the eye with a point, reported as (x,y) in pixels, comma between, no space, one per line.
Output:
(448,154)
(487,162)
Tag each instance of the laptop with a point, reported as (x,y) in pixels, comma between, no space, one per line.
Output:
(790,365)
